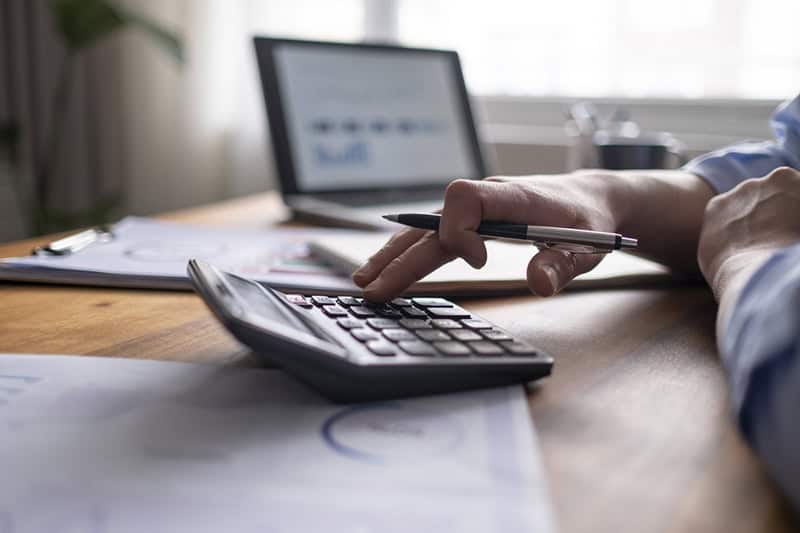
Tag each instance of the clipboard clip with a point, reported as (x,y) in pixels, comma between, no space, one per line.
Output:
(77,242)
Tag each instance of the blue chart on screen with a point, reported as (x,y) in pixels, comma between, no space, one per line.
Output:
(385,433)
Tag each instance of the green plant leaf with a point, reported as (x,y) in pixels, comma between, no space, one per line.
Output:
(84,22)
(169,41)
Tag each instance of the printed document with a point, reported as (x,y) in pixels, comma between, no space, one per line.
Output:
(104,445)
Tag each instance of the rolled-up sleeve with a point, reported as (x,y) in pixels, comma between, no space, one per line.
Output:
(761,352)
(724,169)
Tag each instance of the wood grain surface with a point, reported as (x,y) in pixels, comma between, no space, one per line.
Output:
(634,424)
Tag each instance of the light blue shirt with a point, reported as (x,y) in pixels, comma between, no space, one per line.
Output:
(761,346)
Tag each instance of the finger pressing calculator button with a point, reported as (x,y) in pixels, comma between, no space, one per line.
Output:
(361,312)
(452,348)
(486,348)
(447,312)
(431,302)
(476,323)
(495,335)
(518,348)
(415,323)
(382,323)
(398,335)
(323,300)
(349,301)
(298,299)
(431,335)
(417,348)
(364,334)
(381,348)
(350,323)
(401,302)
(334,310)
(446,323)
(464,335)
(413,312)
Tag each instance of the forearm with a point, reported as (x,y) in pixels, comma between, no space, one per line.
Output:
(663,209)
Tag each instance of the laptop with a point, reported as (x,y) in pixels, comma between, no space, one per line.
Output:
(361,130)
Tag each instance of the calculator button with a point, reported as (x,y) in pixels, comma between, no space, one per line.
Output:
(350,323)
(413,312)
(495,335)
(323,300)
(431,335)
(486,348)
(415,323)
(364,334)
(382,323)
(446,323)
(447,312)
(376,306)
(381,348)
(398,335)
(361,312)
(518,348)
(464,335)
(388,312)
(334,310)
(476,323)
(417,348)
(452,348)
(349,301)
(431,302)
(401,302)
(298,299)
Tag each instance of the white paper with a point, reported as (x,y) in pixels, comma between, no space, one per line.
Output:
(151,253)
(112,445)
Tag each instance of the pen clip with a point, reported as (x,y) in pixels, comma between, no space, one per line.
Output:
(75,243)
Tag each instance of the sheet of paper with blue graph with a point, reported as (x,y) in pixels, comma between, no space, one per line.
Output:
(111,445)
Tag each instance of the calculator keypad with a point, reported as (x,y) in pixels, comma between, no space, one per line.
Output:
(417,327)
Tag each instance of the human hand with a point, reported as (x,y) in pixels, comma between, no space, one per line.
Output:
(745,226)
(580,200)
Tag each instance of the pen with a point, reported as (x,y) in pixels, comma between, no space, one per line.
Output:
(548,235)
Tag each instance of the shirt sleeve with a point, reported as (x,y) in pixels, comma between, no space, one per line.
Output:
(761,352)
(724,169)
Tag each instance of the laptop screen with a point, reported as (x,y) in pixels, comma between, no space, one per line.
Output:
(372,117)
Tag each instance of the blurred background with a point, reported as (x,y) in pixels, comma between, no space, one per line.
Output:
(143,106)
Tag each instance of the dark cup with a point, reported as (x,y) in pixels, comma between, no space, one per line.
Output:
(659,151)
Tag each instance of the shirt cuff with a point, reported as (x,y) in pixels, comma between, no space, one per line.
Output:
(726,168)
(763,324)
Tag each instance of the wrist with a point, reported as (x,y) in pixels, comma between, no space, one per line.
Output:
(611,191)
(730,279)
(734,270)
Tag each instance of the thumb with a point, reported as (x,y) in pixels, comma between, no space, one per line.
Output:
(551,269)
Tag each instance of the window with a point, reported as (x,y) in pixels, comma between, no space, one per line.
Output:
(309,19)
(614,48)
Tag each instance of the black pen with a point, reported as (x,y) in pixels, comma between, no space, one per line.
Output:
(595,241)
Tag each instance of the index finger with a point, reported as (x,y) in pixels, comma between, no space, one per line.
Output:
(419,260)
(393,248)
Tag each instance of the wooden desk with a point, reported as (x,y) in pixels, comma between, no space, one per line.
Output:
(634,423)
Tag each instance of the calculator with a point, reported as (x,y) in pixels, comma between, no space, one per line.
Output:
(352,350)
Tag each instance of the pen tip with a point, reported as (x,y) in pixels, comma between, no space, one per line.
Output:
(391,218)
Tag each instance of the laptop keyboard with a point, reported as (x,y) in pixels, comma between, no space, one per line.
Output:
(420,327)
